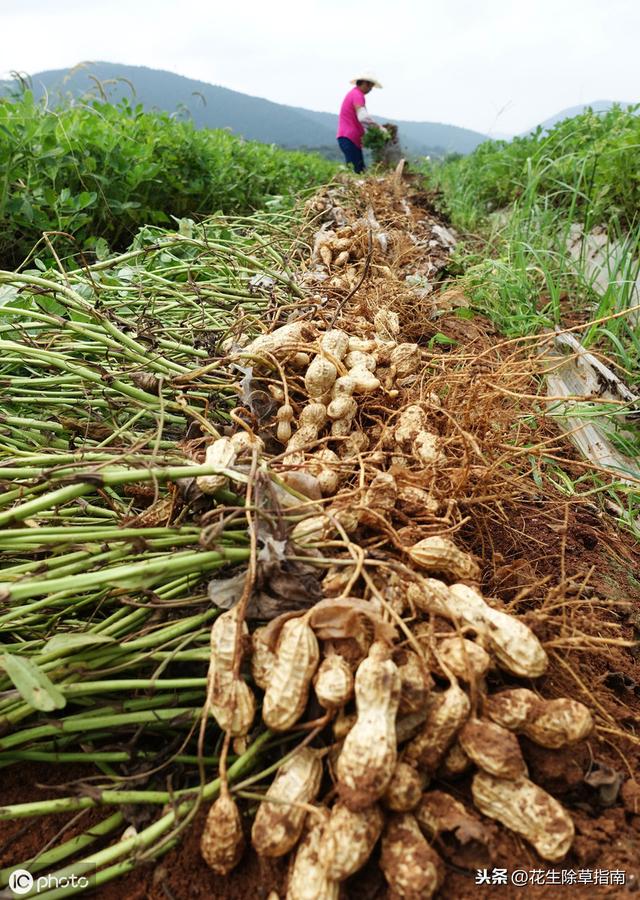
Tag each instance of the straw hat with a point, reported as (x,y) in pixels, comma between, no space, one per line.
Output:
(372,78)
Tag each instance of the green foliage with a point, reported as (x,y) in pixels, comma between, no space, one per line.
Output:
(524,197)
(590,163)
(102,171)
(375,138)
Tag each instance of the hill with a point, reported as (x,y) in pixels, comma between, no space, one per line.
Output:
(212,106)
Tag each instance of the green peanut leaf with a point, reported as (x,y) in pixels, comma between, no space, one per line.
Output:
(32,683)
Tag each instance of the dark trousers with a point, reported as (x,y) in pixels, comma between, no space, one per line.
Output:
(352,154)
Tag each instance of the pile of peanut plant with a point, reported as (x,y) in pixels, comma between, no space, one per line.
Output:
(220,399)
(111,389)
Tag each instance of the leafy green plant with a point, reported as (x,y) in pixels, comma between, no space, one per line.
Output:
(95,170)
(590,163)
(375,138)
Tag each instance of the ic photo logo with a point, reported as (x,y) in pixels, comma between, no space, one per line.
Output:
(20,881)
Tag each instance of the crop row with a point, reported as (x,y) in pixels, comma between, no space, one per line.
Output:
(98,172)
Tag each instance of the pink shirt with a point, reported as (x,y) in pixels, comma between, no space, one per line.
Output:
(348,124)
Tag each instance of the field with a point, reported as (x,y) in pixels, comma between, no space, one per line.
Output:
(287,510)
(92,174)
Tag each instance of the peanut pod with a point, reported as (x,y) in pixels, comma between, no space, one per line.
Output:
(550,723)
(439,554)
(348,839)
(364,381)
(382,492)
(297,656)
(456,762)
(335,341)
(514,645)
(279,821)
(492,748)
(368,757)
(308,879)
(439,812)
(526,809)
(333,682)
(511,708)
(222,841)
(407,359)
(416,683)
(465,659)
(356,358)
(222,452)
(262,658)
(447,712)
(404,790)
(319,377)
(230,699)
(558,723)
(412,868)
(292,333)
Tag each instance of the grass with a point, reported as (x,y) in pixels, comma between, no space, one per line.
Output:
(518,205)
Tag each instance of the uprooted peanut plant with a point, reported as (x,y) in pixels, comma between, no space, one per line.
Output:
(385,651)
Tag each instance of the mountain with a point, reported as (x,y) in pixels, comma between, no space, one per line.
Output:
(597,106)
(211,106)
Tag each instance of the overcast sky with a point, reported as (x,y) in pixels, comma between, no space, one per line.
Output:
(491,65)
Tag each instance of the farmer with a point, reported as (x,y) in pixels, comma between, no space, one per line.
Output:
(353,120)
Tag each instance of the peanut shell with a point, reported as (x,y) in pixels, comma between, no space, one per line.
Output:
(514,646)
(492,748)
(356,358)
(447,712)
(319,377)
(279,822)
(406,358)
(364,381)
(348,839)
(467,660)
(335,341)
(439,812)
(408,725)
(308,878)
(511,708)
(342,407)
(412,868)
(404,791)
(333,682)
(415,501)
(230,699)
(222,841)
(439,554)
(222,452)
(558,723)
(526,809)
(262,658)
(382,492)
(386,323)
(297,657)
(411,421)
(368,757)
(416,683)
(456,762)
